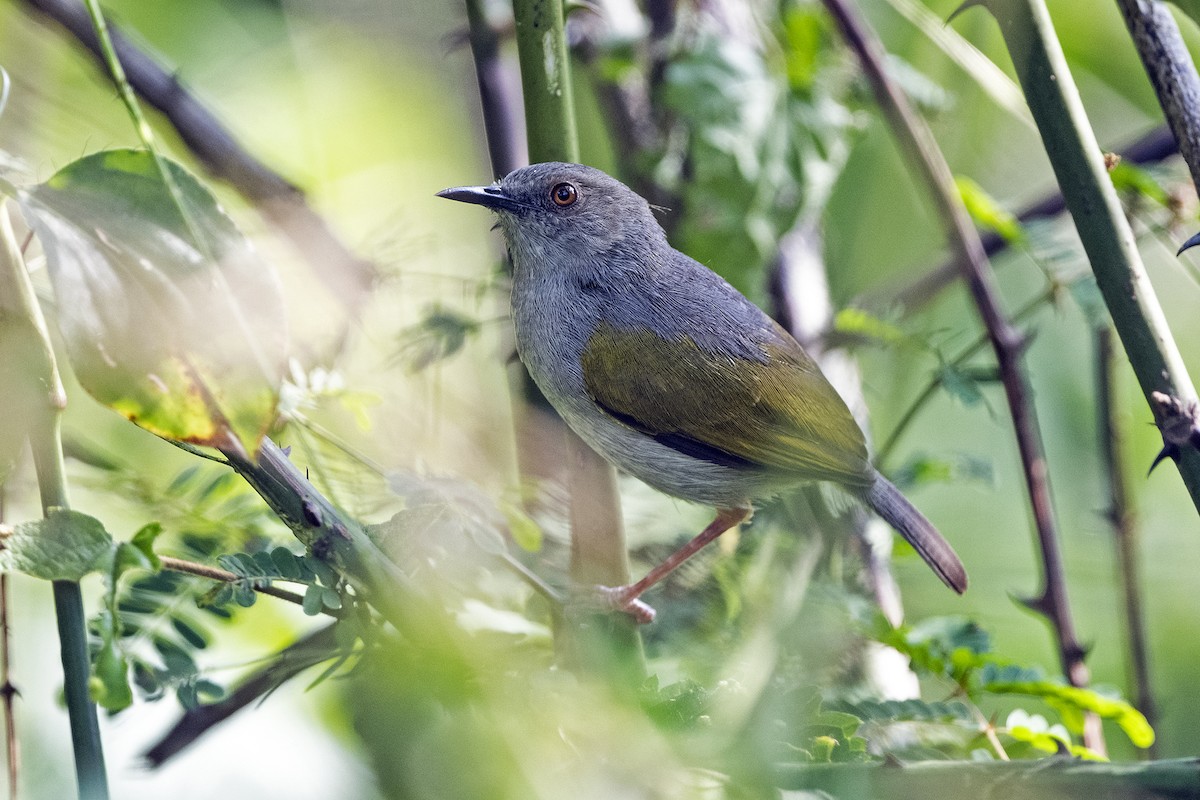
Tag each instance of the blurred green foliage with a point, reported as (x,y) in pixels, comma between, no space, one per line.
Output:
(760,655)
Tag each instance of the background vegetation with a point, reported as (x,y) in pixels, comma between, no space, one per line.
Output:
(397,404)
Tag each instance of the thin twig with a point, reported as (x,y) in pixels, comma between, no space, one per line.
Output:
(345,274)
(218,574)
(1122,518)
(1155,146)
(917,142)
(910,414)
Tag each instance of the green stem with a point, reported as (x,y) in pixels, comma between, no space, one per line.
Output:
(21,306)
(144,131)
(1096,210)
(546,81)
(602,643)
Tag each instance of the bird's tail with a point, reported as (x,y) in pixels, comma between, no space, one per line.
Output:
(889,503)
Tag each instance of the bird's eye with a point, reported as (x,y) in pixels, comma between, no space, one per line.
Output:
(564,194)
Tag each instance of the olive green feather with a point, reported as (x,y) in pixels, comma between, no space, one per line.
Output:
(779,413)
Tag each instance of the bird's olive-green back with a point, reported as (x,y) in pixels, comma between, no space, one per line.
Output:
(779,413)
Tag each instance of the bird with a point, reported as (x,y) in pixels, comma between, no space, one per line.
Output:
(668,371)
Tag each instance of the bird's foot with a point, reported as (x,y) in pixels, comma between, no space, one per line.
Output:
(618,598)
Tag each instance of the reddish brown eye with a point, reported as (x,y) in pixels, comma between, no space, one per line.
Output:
(564,194)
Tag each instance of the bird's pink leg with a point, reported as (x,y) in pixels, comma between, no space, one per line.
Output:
(625,598)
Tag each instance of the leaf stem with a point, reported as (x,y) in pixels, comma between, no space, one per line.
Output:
(218,574)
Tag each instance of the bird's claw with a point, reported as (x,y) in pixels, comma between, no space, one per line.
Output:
(617,598)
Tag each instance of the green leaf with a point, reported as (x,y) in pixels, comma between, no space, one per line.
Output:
(330,598)
(524,530)
(264,562)
(177,661)
(314,600)
(862,324)
(960,385)
(190,633)
(126,557)
(1132,178)
(987,213)
(438,336)
(286,563)
(143,540)
(244,595)
(110,685)
(1128,718)
(168,316)
(209,690)
(64,546)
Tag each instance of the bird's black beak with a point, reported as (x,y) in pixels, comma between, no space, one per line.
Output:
(491,196)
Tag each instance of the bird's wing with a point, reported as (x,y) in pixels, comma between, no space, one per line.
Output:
(779,413)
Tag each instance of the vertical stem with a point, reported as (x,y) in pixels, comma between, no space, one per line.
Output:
(8,691)
(598,547)
(546,81)
(1123,519)
(917,143)
(1107,239)
(46,444)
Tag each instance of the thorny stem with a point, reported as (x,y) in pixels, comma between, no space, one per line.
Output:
(8,692)
(1123,519)
(1170,67)
(918,144)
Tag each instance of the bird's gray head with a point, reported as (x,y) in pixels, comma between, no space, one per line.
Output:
(555,214)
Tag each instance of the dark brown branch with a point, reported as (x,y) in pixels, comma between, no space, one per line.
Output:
(498,93)
(1123,519)
(314,648)
(1171,71)
(345,274)
(918,144)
